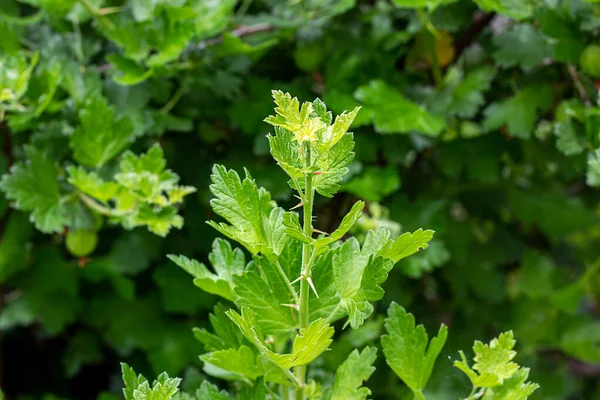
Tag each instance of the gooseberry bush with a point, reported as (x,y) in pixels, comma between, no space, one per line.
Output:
(478,119)
(296,286)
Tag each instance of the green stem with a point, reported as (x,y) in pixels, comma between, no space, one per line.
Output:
(173,101)
(94,205)
(419,395)
(332,314)
(307,204)
(288,283)
(96,13)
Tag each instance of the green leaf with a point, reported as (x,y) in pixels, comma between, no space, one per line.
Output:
(102,135)
(493,362)
(462,95)
(256,221)
(334,133)
(91,183)
(208,391)
(130,73)
(567,41)
(581,339)
(226,262)
(226,334)
(308,344)
(513,388)
(241,361)
(351,374)
(15,74)
(294,229)
(296,119)
(285,152)
(567,141)
(534,277)
(131,380)
(262,289)
(521,45)
(33,186)
(519,112)
(406,244)
(408,350)
(347,222)
(333,166)
(429,4)
(373,184)
(593,169)
(393,113)
(515,9)
(358,274)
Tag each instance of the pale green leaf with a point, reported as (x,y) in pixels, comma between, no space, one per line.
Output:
(333,166)
(208,391)
(92,184)
(357,274)
(285,151)
(350,376)
(241,361)
(347,222)
(493,362)
(408,350)
(407,244)
(567,141)
(513,388)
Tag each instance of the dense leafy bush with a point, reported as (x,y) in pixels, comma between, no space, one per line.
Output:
(479,120)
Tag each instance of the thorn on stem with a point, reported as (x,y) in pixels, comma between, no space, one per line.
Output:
(312,286)
(318,231)
(294,306)
(297,206)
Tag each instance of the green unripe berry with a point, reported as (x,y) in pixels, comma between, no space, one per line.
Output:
(81,243)
(310,56)
(590,60)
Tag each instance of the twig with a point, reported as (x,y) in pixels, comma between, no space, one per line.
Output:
(575,77)
(238,32)
(480,21)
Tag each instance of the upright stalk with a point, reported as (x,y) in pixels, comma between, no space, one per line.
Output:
(307,207)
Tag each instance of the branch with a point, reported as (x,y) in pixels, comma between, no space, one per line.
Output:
(238,32)
(575,77)
(480,21)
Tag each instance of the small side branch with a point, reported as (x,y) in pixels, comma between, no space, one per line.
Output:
(575,77)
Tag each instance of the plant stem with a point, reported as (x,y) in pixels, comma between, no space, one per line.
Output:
(173,101)
(332,314)
(307,204)
(288,283)
(94,205)
(419,395)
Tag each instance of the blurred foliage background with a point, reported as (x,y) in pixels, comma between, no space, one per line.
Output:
(479,120)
